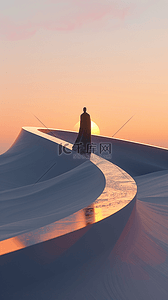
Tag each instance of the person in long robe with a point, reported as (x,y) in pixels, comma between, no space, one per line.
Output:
(83,142)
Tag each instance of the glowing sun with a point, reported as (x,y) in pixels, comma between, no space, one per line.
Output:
(94,128)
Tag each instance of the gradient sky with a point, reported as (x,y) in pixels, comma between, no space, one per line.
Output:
(60,55)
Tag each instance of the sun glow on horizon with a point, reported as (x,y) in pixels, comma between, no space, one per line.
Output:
(94,128)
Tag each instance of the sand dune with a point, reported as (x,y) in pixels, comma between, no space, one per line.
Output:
(120,249)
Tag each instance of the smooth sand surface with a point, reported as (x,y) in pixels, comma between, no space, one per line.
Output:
(124,256)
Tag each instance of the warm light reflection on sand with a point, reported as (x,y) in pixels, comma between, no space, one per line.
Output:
(119,190)
(11,245)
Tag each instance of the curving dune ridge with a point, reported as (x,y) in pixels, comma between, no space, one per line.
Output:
(77,231)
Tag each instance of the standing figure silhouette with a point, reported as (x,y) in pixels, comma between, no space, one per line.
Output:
(83,141)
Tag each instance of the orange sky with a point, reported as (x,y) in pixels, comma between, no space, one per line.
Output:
(115,66)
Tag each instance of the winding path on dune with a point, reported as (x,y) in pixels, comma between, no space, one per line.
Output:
(27,208)
(120,249)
